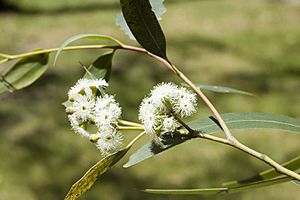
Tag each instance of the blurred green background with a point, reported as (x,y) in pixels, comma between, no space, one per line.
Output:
(249,45)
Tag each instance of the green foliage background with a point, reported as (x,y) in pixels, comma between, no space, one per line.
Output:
(249,45)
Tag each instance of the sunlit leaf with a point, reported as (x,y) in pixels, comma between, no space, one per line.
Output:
(157,7)
(90,177)
(187,191)
(24,72)
(293,164)
(248,120)
(144,26)
(121,22)
(209,125)
(221,190)
(222,89)
(82,36)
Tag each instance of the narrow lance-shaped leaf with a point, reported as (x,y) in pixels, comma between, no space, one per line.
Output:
(209,125)
(157,7)
(222,89)
(90,177)
(293,164)
(81,36)
(24,72)
(221,190)
(144,26)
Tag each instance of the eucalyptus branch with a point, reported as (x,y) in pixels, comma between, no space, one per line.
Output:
(69,48)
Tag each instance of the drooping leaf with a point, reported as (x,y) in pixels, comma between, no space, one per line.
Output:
(81,36)
(90,177)
(101,67)
(210,125)
(157,7)
(144,25)
(204,191)
(293,164)
(222,89)
(221,190)
(24,72)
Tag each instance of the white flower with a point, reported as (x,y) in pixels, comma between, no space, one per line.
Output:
(170,124)
(85,87)
(78,88)
(104,101)
(76,127)
(104,118)
(94,114)
(186,103)
(157,117)
(98,83)
(147,110)
(147,114)
(161,91)
(107,111)
(110,141)
(83,107)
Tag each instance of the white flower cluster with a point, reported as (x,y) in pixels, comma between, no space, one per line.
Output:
(158,110)
(91,109)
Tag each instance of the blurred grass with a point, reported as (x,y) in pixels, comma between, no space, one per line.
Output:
(251,45)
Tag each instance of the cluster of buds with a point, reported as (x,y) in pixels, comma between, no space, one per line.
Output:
(161,109)
(94,114)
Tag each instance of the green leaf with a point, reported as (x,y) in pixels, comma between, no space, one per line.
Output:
(150,149)
(24,72)
(186,191)
(101,68)
(144,26)
(293,164)
(157,7)
(81,36)
(221,190)
(222,89)
(245,120)
(90,177)
(210,125)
